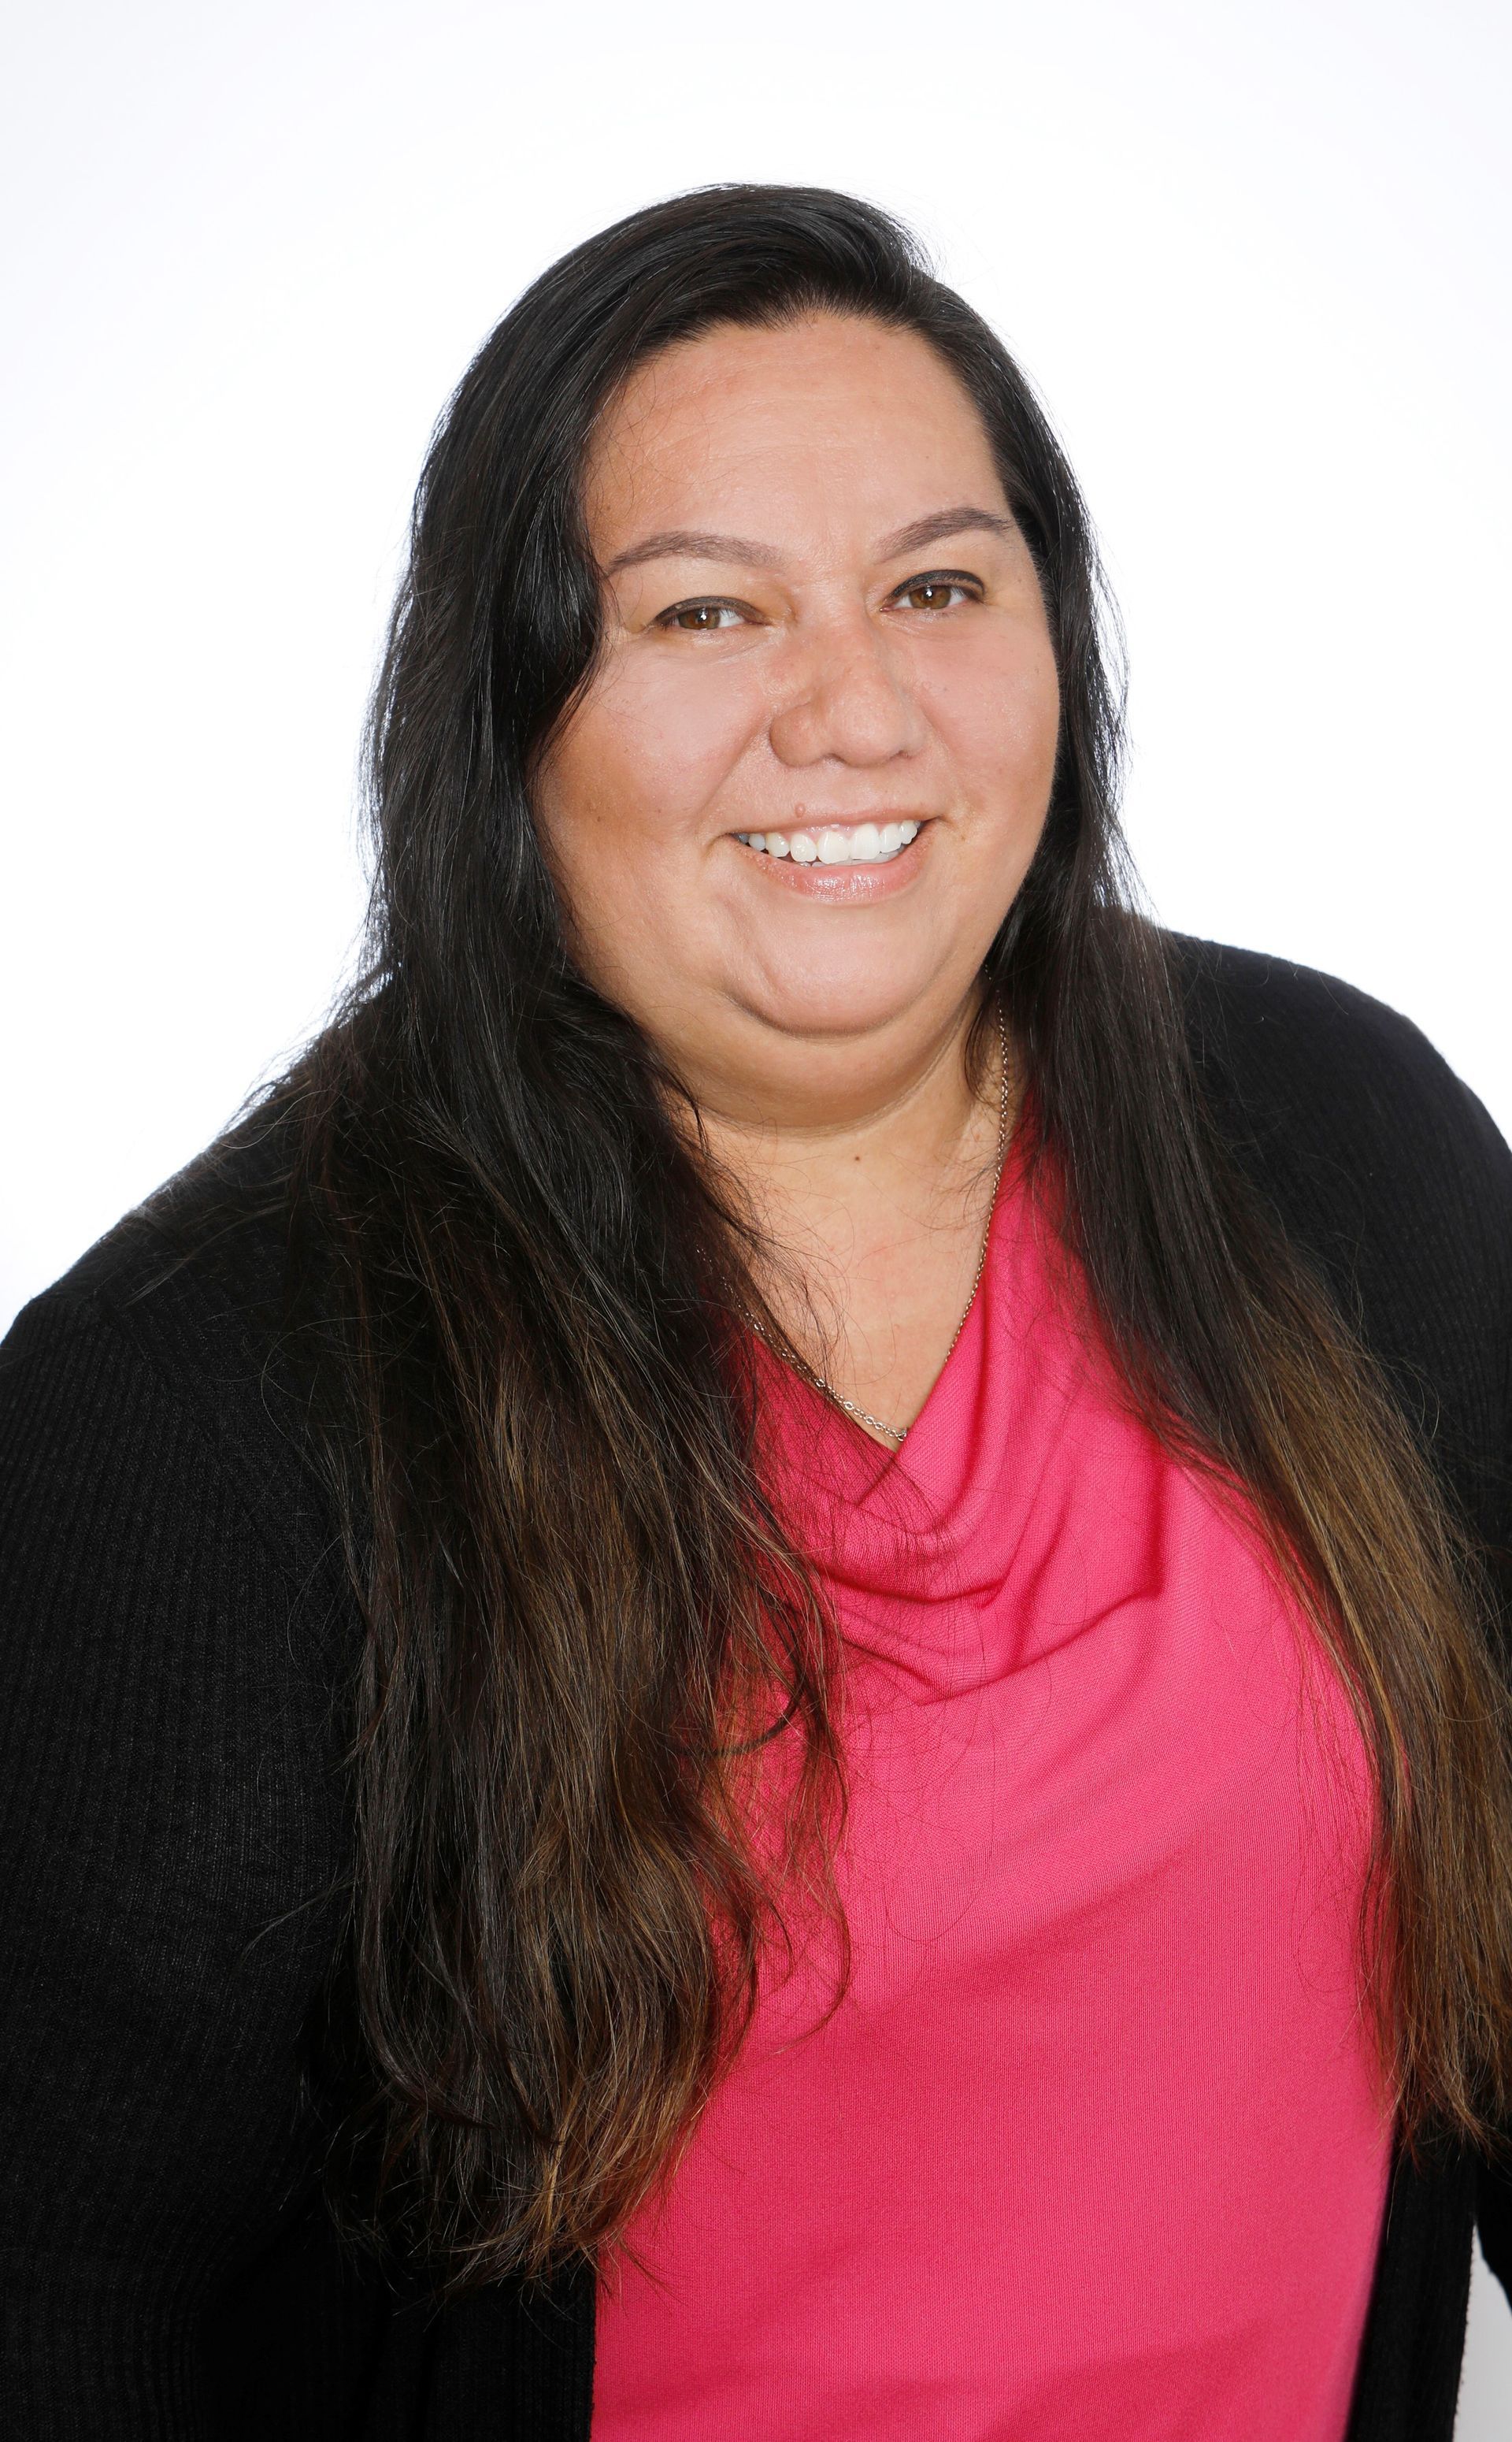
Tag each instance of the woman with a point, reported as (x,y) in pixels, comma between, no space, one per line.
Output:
(755,1642)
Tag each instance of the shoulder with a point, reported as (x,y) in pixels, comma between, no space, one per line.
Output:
(1342,1100)
(1380,1164)
(1296,1043)
(179,1309)
(210,1236)
(154,1421)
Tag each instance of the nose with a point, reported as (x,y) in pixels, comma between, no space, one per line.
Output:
(847,698)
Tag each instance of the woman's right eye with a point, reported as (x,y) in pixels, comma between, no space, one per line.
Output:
(700,618)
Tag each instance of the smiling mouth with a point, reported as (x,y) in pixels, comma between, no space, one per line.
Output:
(835,842)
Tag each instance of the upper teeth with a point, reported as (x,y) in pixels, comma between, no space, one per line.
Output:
(867,843)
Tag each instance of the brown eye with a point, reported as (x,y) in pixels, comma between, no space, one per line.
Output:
(698,618)
(932,594)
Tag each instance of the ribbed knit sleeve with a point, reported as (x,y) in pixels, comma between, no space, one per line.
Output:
(1391,1176)
(170,1831)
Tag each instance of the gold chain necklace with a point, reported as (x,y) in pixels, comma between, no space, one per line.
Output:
(899,1434)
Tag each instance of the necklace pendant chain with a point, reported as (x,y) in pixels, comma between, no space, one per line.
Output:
(897,1434)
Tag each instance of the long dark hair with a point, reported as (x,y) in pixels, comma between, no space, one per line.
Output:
(584,1628)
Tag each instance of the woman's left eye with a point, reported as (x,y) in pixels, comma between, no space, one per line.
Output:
(935,592)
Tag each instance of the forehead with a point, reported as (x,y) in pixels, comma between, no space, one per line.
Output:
(832,419)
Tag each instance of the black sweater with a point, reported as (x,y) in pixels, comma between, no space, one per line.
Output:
(178,1641)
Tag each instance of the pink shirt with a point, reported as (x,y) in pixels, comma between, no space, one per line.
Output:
(1092,2148)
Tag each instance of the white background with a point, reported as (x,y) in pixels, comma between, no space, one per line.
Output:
(1254,255)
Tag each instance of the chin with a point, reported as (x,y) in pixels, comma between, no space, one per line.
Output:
(843,1007)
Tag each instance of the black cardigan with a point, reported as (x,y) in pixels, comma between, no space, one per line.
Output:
(179,1638)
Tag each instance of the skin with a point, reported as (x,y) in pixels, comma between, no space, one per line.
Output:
(781,652)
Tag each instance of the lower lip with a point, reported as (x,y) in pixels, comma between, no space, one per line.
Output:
(844,885)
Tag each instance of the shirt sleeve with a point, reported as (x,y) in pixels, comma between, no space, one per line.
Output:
(1494,2197)
(169,1848)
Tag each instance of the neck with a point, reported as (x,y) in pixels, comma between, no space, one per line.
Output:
(871,1215)
(823,1121)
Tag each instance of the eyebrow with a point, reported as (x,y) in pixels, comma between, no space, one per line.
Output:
(689,543)
(692,542)
(941,524)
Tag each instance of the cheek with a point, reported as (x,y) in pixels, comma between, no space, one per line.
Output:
(655,745)
(1000,724)
(627,802)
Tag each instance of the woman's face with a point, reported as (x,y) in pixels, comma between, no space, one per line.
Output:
(811,766)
